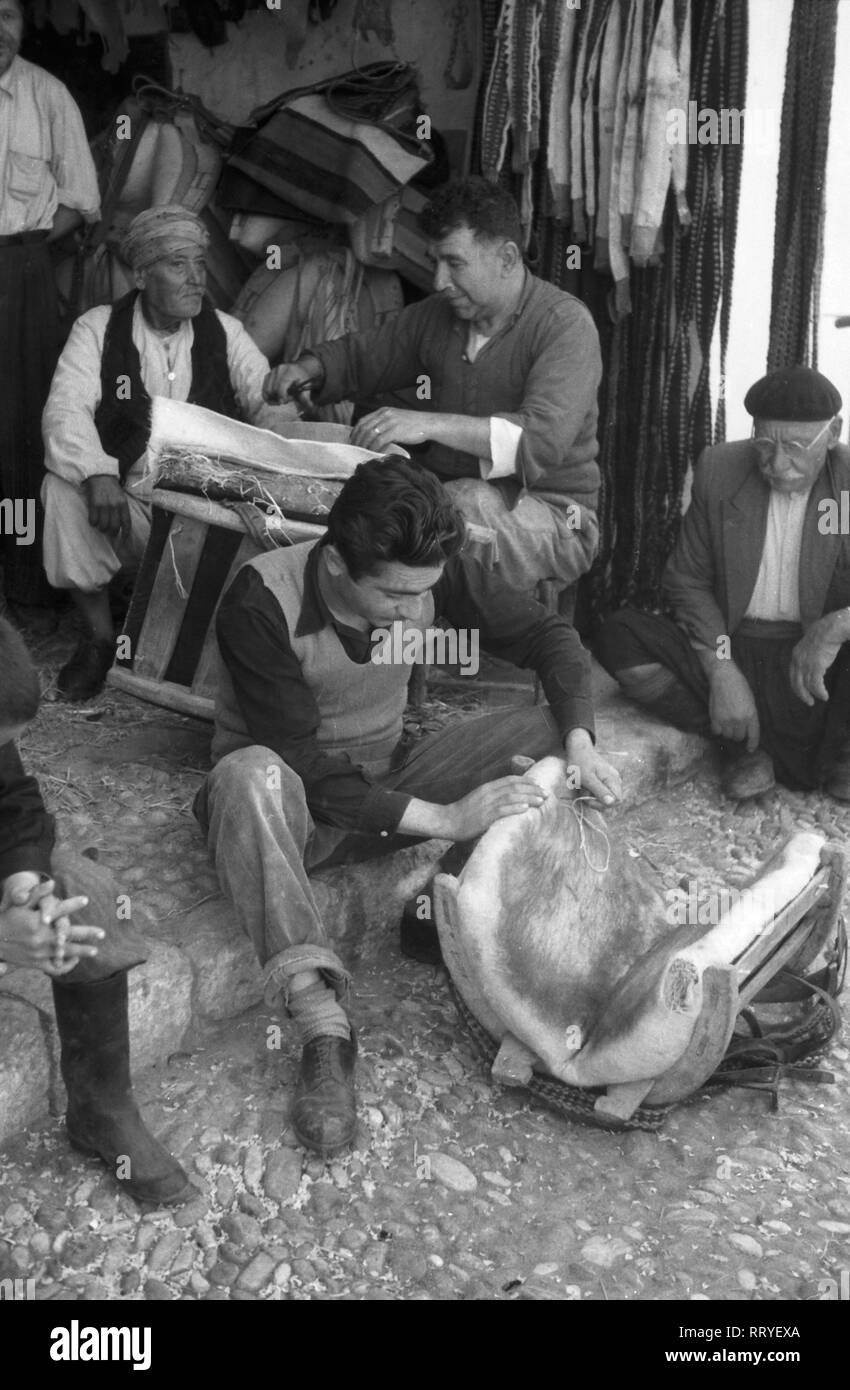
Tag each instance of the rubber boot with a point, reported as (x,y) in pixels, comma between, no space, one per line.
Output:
(103,1119)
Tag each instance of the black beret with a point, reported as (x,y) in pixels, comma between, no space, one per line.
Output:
(793,393)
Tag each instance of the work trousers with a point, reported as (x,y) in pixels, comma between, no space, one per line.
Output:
(263,840)
(803,740)
(534,540)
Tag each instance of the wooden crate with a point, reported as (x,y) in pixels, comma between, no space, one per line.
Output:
(194,550)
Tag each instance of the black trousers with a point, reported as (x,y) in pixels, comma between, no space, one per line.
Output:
(803,740)
(30,340)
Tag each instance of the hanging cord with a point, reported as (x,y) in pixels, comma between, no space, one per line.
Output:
(736,28)
(384,94)
(801,183)
(162,102)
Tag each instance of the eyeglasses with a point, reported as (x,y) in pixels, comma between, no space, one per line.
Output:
(793,448)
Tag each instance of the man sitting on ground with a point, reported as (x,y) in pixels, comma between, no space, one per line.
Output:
(505,367)
(163,339)
(308,746)
(43,895)
(756,651)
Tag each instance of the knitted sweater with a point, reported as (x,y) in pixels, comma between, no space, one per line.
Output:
(541,370)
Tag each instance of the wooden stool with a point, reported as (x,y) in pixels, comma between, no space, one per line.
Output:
(170,656)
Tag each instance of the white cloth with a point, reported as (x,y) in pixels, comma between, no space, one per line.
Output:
(72,445)
(76,556)
(44,154)
(776,596)
(504,434)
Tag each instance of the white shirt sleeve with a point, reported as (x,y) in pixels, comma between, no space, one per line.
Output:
(71,162)
(504,442)
(248,366)
(72,445)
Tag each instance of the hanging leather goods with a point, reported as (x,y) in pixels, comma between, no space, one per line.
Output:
(457,74)
(374,17)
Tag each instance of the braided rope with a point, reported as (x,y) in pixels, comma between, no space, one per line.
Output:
(801,182)
(737,43)
(490,10)
(655,400)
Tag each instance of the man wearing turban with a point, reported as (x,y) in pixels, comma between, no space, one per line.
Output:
(756,651)
(162,339)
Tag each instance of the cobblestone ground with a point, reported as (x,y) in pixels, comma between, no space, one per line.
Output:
(455,1189)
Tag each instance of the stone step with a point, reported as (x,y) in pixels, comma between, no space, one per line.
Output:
(202,969)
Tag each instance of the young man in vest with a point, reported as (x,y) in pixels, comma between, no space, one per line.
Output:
(48,898)
(308,746)
(163,339)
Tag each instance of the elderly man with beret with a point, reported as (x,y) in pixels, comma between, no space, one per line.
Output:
(163,339)
(757,650)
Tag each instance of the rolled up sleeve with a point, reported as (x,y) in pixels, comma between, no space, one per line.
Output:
(559,407)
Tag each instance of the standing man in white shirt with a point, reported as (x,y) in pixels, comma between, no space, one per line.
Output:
(162,339)
(757,650)
(48,185)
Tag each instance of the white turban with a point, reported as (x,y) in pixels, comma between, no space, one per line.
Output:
(161,231)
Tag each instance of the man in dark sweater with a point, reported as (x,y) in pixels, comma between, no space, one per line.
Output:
(43,894)
(504,369)
(163,339)
(308,745)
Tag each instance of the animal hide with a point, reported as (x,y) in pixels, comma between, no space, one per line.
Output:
(555,935)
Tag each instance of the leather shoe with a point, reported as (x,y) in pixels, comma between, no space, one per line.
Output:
(85,673)
(748,775)
(324,1115)
(837,785)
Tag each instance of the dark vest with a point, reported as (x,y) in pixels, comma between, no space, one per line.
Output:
(124,424)
(360,704)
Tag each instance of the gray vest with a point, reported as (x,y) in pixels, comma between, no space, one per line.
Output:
(360,704)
